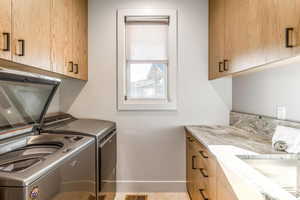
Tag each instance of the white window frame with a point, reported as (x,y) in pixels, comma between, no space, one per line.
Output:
(147,104)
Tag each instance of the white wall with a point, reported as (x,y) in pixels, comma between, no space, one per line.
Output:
(151,145)
(261,92)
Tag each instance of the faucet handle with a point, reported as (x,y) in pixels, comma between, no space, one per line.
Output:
(280,145)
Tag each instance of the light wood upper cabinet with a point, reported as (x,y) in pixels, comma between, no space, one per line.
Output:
(297,29)
(69,38)
(216,38)
(289,18)
(31,33)
(243,34)
(80,28)
(255,33)
(279,17)
(45,36)
(236,41)
(5,29)
(62,36)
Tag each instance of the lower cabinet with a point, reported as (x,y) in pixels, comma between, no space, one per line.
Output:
(224,191)
(205,179)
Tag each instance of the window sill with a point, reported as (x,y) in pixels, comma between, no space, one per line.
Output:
(170,106)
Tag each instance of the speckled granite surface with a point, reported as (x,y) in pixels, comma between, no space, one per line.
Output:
(247,136)
(258,125)
(227,135)
(229,144)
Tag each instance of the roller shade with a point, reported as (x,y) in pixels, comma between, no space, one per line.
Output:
(147,41)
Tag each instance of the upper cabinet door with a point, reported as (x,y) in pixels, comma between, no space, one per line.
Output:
(5,29)
(297,30)
(280,22)
(243,34)
(80,30)
(259,32)
(236,41)
(62,37)
(216,38)
(255,33)
(31,37)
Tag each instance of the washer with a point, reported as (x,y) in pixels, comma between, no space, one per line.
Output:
(46,167)
(105,135)
(36,166)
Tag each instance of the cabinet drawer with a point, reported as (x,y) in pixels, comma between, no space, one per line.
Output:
(202,152)
(202,190)
(201,171)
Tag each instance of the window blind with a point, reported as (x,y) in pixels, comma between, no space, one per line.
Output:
(147,41)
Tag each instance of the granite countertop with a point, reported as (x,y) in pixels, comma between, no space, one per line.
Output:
(228,144)
(229,135)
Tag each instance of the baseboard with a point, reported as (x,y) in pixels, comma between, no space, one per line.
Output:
(151,186)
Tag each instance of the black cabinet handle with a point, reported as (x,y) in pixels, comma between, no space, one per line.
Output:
(71,66)
(203,172)
(190,139)
(203,154)
(6,38)
(76,68)
(21,44)
(226,67)
(288,41)
(202,192)
(221,67)
(193,162)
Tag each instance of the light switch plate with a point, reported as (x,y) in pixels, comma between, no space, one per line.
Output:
(281,112)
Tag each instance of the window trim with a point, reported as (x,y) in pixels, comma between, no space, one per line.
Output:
(147,104)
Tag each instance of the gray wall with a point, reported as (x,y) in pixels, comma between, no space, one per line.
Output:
(55,104)
(261,92)
(151,145)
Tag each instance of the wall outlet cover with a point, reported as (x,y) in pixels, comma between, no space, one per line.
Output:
(281,112)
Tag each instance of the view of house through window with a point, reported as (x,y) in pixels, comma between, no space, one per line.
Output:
(147,80)
(146,58)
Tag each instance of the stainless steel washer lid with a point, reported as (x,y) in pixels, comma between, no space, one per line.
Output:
(90,127)
(34,163)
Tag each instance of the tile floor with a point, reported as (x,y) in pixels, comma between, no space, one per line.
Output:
(157,196)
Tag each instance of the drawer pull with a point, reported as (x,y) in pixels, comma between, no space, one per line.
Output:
(226,67)
(76,68)
(193,162)
(203,154)
(288,37)
(21,48)
(221,68)
(6,44)
(71,66)
(203,172)
(203,195)
(190,139)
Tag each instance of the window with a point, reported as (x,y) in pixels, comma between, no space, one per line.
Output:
(147,59)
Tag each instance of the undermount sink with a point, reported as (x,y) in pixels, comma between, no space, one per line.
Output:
(284,170)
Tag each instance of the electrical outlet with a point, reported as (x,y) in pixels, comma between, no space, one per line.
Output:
(281,112)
